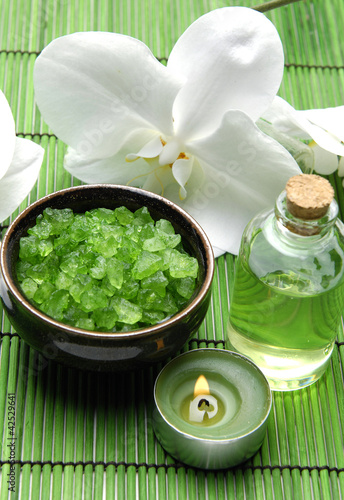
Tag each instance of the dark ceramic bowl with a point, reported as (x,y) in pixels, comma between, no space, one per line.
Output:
(105,351)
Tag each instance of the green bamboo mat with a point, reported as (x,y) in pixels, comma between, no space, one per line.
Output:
(84,435)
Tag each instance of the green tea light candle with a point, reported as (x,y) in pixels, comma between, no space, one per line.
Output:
(211,408)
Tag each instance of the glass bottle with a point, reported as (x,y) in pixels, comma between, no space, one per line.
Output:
(288,294)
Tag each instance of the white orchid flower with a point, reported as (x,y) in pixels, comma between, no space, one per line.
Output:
(324,127)
(20,162)
(186,131)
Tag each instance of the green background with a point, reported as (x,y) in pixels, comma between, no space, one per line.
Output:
(87,435)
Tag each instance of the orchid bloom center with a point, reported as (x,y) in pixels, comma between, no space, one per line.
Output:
(168,162)
(171,151)
(165,150)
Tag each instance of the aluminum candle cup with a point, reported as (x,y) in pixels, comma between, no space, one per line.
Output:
(211,408)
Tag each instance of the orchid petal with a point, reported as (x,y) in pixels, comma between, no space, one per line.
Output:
(330,119)
(194,182)
(325,163)
(232,59)
(341,167)
(245,171)
(20,177)
(159,179)
(181,171)
(309,124)
(218,251)
(93,89)
(112,170)
(170,152)
(284,117)
(150,150)
(7,135)
(221,207)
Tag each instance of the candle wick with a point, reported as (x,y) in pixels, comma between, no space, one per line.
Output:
(204,405)
(203,401)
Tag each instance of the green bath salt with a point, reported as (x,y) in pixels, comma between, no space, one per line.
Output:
(105,270)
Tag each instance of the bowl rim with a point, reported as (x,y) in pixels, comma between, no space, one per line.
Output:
(75,331)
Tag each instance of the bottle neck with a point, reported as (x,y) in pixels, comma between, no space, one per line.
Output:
(304,227)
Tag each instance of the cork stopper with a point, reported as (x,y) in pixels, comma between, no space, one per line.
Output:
(308,196)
